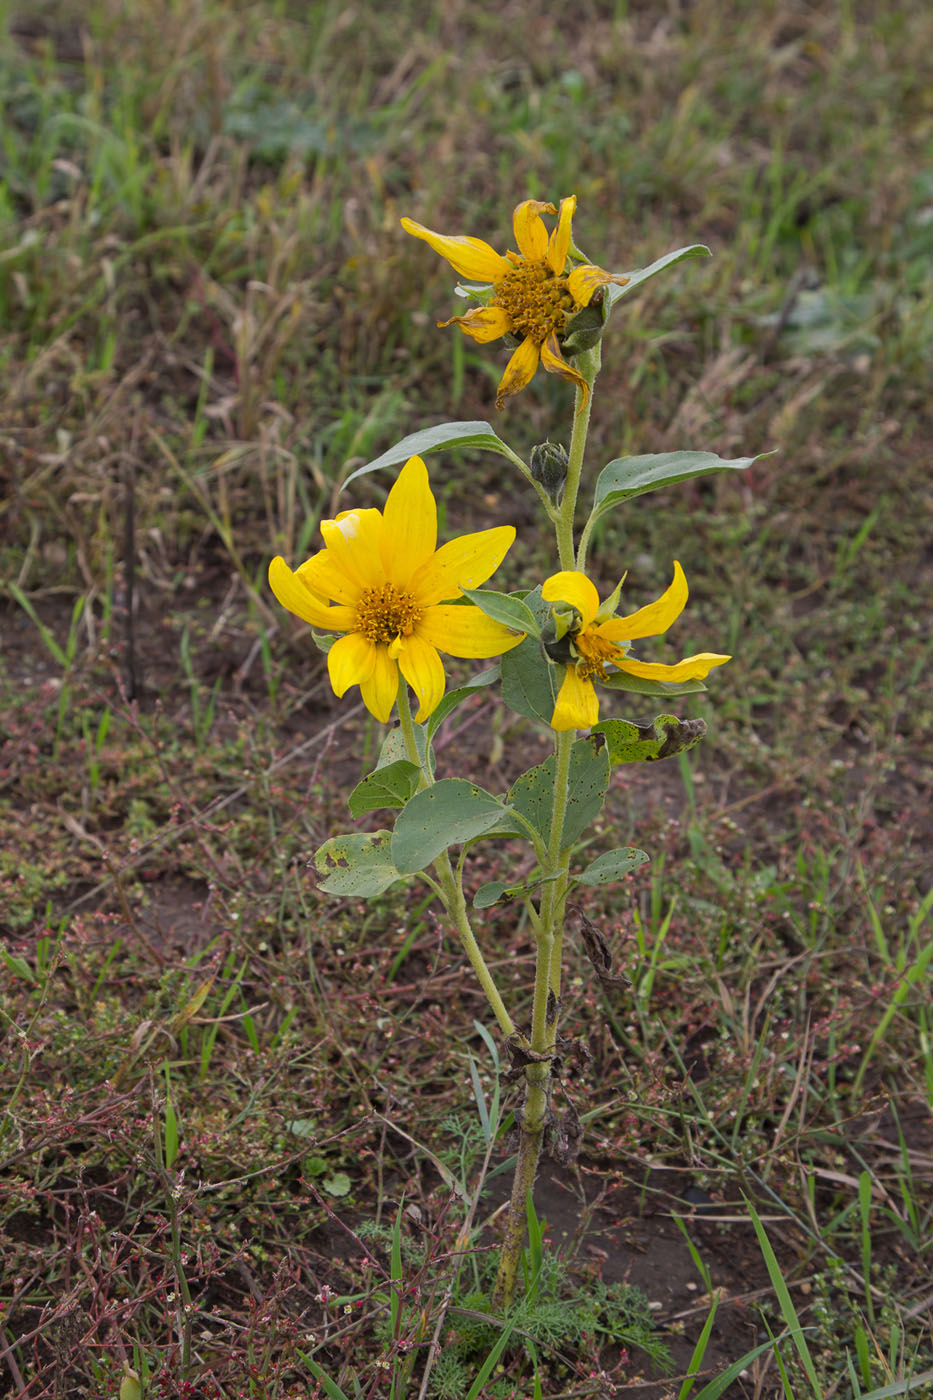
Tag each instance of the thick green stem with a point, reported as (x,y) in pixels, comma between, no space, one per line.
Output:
(449,883)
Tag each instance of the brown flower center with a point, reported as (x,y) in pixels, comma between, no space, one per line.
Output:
(535,301)
(383,613)
(595,651)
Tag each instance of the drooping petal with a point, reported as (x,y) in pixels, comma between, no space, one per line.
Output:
(409,533)
(465,631)
(466,562)
(570,586)
(530,232)
(554,363)
(692,668)
(422,668)
(483,323)
(351,661)
(584,281)
(471,257)
(577,705)
(519,371)
(381,690)
(354,543)
(652,620)
(297,597)
(559,243)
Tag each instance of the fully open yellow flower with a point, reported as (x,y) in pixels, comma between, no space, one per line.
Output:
(391,590)
(597,639)
(533,298)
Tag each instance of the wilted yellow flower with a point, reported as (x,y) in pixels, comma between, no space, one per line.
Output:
(597,639)
(391,589)
(533,298)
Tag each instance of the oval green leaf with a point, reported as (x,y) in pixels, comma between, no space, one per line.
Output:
(642,274)
(506,608)
(612,865)
(358,865)
(390,786)
(662,738)
(468,434)
(445,814)
(625,477)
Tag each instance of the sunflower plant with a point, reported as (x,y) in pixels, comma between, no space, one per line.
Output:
(387,602)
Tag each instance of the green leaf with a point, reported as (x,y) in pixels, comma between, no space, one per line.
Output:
(389,786)
(506,608)
(453,698)
(499,892)
(642,274)
(475,434)
(625,477)
(358,864)
(662,738)
(612,865)
(395,750)
(533,794)
(445,814)
(638,685)
(528,681)
(338,1184)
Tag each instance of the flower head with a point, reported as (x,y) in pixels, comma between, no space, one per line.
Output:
(592,638)
(534,296)
(382,582)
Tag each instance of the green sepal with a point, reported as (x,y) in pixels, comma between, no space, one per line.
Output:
(640,685)
(389,786)
(533,793)
(584,329)
(663,737)
(358,864)
(626,477)
(468,434)
(612,865)
(323,640)
(453,698)
(507,608)
(445,814)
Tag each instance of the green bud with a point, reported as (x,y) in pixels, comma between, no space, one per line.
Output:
(130,1388)
(549,469)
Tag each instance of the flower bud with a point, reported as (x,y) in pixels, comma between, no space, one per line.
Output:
(549,469)
(130,1388)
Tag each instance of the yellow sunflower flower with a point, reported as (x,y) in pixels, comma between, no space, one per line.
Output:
(597,639)
(390,587)
(533,295)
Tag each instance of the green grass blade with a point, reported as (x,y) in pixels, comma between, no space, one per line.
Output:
(788,1311)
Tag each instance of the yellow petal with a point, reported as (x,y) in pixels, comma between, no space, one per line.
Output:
(465,631)
(574,588)
(577,705)
(471,257)
(559,244)
(351,661)
(530,233)
(692,668)
(519,371)
(320,574)
(409,524)
(585,280)
(354,543)
(380,692)
(421,666)
(652,620)
(483,323)
(554,363)
(297,597)
(465,562)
